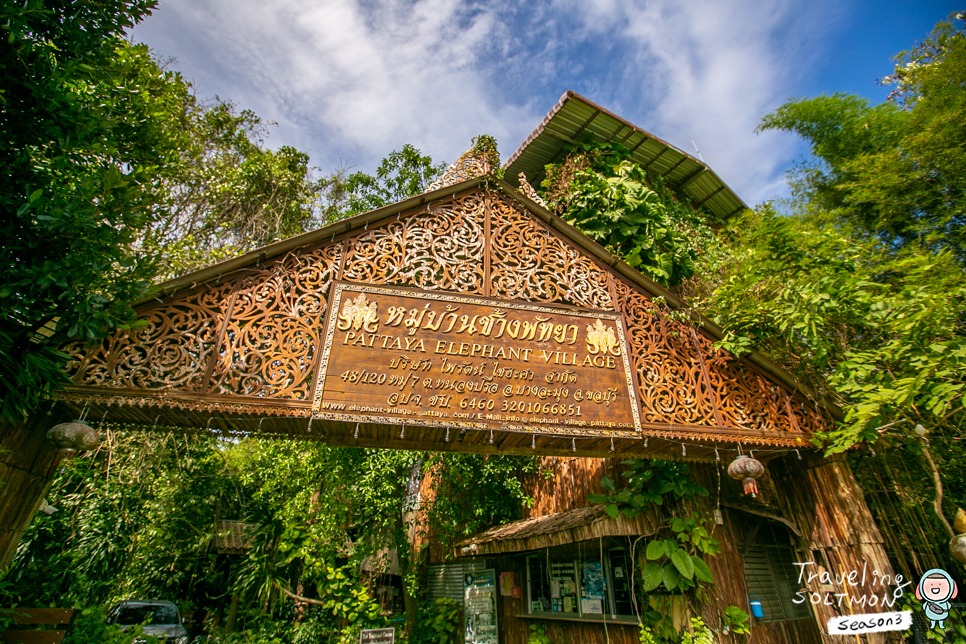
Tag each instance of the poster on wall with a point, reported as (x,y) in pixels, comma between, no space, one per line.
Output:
(479,597)
(592,588)
(563,587)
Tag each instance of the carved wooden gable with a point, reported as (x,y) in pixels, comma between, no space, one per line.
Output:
(238,347)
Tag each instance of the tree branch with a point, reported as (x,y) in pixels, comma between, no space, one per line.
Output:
(299,598)
(938,501)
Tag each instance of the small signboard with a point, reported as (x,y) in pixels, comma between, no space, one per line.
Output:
(480,604)
(378,636)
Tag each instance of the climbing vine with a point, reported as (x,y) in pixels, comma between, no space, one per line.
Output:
(608,197)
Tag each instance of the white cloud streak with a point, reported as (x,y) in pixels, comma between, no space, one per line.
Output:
(349,81)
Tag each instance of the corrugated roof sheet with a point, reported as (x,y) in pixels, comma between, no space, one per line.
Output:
(575,115)
(233,537)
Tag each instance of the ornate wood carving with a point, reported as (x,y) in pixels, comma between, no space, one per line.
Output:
(275,327)
(248,344)
(530,263)
(172,350)
(440,247)
(669,374)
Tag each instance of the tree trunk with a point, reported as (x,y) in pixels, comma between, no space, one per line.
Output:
(232,613)
(28,464)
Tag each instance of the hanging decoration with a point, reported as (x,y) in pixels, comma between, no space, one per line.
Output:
(746,469)
(72,437)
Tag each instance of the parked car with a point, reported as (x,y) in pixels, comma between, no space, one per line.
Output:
(159,618)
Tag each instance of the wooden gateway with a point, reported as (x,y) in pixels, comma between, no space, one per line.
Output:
(471,319)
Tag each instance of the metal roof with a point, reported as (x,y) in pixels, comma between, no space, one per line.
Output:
(574,115)
(233,537)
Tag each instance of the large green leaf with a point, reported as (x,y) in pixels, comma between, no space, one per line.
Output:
(671,577)
(655,550)
(652,575)
(682,561)
(701,570)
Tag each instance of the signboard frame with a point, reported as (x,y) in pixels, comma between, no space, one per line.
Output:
(339,299)
(377,636)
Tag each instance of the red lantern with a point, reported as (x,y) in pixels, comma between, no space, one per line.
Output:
(746,469)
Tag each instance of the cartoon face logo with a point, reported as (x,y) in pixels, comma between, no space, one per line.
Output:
(935,589)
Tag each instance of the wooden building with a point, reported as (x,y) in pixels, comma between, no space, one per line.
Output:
(413,327)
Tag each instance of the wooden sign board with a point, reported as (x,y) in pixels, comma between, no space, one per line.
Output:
(377,636)
(402,356)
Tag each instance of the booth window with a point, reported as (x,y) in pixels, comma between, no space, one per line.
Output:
(771,575)
(580,587)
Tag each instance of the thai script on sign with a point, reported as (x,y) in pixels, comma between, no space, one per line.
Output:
(359,313)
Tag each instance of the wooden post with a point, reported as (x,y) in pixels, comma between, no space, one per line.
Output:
(232,613)
(28,463)
(822,496)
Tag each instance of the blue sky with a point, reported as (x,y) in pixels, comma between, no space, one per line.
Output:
(348,81)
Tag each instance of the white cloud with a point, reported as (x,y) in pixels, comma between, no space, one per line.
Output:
(345,80)
(707,71)
(353,80)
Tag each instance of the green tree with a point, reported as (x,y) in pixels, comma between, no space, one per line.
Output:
(227,194)
(605,195)
(400,175)
(859,287)
(115,174)
(85,130)
(895,171)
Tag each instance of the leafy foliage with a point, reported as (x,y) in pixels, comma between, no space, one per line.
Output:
(439,623)
(226,194)
(736,620)
(608,197)
(677,561)
(137,519)
(115,173)
(498,492)
(699,633)
(894,171)
(85,128)
(857,286)
(400,175)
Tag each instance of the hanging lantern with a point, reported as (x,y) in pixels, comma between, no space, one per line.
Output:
(746,469)
(72,437)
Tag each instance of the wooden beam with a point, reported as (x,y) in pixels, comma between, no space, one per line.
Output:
(573,137)
(675,167)
(32,637)
(22,616)
(639,144)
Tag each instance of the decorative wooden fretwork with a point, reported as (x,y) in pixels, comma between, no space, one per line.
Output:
(529,192)
(438,247)
(529,262)
(239,351)
(669,373)
(275,324)
(470,165)
(172,349)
